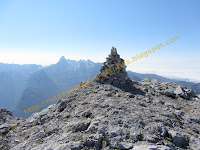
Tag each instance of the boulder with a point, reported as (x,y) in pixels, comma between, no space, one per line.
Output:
(169,92)
(180,92)
(179,139)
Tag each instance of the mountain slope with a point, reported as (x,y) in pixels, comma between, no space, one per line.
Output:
(68,73)
(13,79)
(42,88)
(101,116)
(53,80)
(119,114)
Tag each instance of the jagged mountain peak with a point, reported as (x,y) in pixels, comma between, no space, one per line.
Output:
(62,60)
(88,60)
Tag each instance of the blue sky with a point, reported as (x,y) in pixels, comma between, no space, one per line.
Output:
(41,31)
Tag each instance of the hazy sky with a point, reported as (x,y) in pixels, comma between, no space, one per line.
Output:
(41,31)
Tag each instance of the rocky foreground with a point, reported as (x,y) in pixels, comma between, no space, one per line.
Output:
(150,116)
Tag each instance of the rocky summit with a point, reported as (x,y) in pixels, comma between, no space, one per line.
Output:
(148,115)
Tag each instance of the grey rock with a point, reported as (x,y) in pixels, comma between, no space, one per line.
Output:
(194,143)
(169,92)
(151,147)
(193,118)
(195,129)
(179,139)
(113,133)
(190,93)
(154,81)
(162,130)
(179,91)
(174,106)
(6,116)
(130,95)
(82,126)
(157,101)
(148,100)
(63,105)
(124,145)
(93,127)
(94,141)
(3,126)
(87,114)
(75,145)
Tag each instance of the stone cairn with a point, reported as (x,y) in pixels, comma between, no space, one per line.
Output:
(113,71)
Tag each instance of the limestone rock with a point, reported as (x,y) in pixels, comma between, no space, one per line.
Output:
(179,139)
(124,145)
(96,117)
(151,147)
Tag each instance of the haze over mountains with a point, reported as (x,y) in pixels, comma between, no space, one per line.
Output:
(112,112)
(23,86)
(13,79)
(54,79)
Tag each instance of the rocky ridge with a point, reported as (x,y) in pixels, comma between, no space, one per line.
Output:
(101,116)
(146,115)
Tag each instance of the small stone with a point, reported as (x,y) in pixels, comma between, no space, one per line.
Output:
(124,145)
(195,130)
(87,114)
(162,129)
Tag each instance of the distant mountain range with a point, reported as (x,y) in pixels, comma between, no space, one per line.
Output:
(23,86)
(190,85)
(13,79)
(54,79)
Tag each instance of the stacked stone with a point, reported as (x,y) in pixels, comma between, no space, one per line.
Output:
(113,70)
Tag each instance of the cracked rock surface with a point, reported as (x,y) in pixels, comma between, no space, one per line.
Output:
(157,116)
